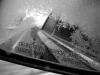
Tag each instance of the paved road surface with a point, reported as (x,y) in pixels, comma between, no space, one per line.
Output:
(7,68)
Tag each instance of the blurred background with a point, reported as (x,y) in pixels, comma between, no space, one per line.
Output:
(7,68)
(82,13)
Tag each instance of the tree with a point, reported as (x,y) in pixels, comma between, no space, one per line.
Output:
(90,42)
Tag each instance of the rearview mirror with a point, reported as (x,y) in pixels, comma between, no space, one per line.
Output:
(36,38)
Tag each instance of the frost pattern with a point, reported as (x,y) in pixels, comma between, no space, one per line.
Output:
(90,43)
(82,38)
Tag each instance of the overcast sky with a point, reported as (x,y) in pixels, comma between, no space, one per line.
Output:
(85,12)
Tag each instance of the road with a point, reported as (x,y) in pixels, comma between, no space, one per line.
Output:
(7,68)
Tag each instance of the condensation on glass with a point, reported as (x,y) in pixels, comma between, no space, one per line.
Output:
(60,31)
